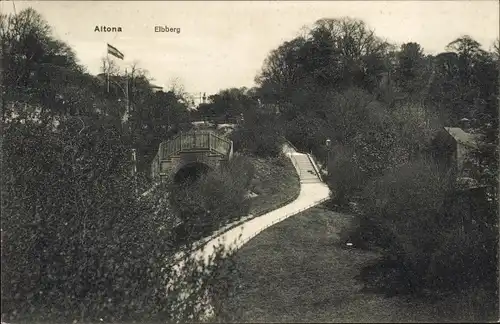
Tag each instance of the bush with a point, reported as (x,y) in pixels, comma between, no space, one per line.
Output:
(307,133)
(407,213)
(389,139)
(213,200)
(407,206)
(260,137)
(344,175)
(76,241)
(259,141)
(463,260)
(348,112)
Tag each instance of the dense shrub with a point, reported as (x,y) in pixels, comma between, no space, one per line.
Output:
(259,136)
(307,133)
(214,199)
(464,259)
(76,241)
(344,175)
(405,197)
(407,213)
(390,138)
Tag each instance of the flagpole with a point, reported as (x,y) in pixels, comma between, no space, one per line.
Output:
(107,71)
(127,105)
(126,125)
(134,157)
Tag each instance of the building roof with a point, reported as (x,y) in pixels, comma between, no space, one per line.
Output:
(462,137)
(155,88)
(226,125)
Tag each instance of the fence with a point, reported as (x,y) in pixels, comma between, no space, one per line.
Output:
(206,300)
(244,219)
(311,157)
(250,217)
(241,243)
(200,244)
(182,296)
(195,140)
(313,163)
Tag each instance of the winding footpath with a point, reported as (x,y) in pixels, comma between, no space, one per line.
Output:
(312,192)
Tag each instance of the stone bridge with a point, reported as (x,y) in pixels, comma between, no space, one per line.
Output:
(189,154)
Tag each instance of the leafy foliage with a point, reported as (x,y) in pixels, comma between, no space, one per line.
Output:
(412,215)
(258,136)
(77,241)
(73,213)
(213,200)
(227,106)
(381,107)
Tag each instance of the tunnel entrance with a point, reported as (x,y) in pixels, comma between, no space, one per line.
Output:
(191,172)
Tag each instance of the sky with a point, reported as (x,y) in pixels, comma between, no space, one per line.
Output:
(223,44)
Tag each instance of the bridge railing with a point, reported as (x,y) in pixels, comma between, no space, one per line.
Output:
(195,141)
(191,141)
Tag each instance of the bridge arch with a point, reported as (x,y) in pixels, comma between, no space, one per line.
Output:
(191,152)
(191,171)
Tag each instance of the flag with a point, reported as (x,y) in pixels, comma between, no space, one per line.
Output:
(115,52)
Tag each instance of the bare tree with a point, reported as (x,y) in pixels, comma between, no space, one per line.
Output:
(496,48)
(136,71)
(351,37)
(179,90)
(109,66)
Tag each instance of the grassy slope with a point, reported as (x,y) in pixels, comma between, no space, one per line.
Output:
(299,271)
(275,182)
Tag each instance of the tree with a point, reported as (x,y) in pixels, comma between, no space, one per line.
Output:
(496,49)
(158,117)
(467,48)
(334,53)
(281,71)
(28,46)
(259,135)
(109,66)
(68,203)
(410,70)
(357,51)
(469,54)
(178,89)
(77,243)
(228,104)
